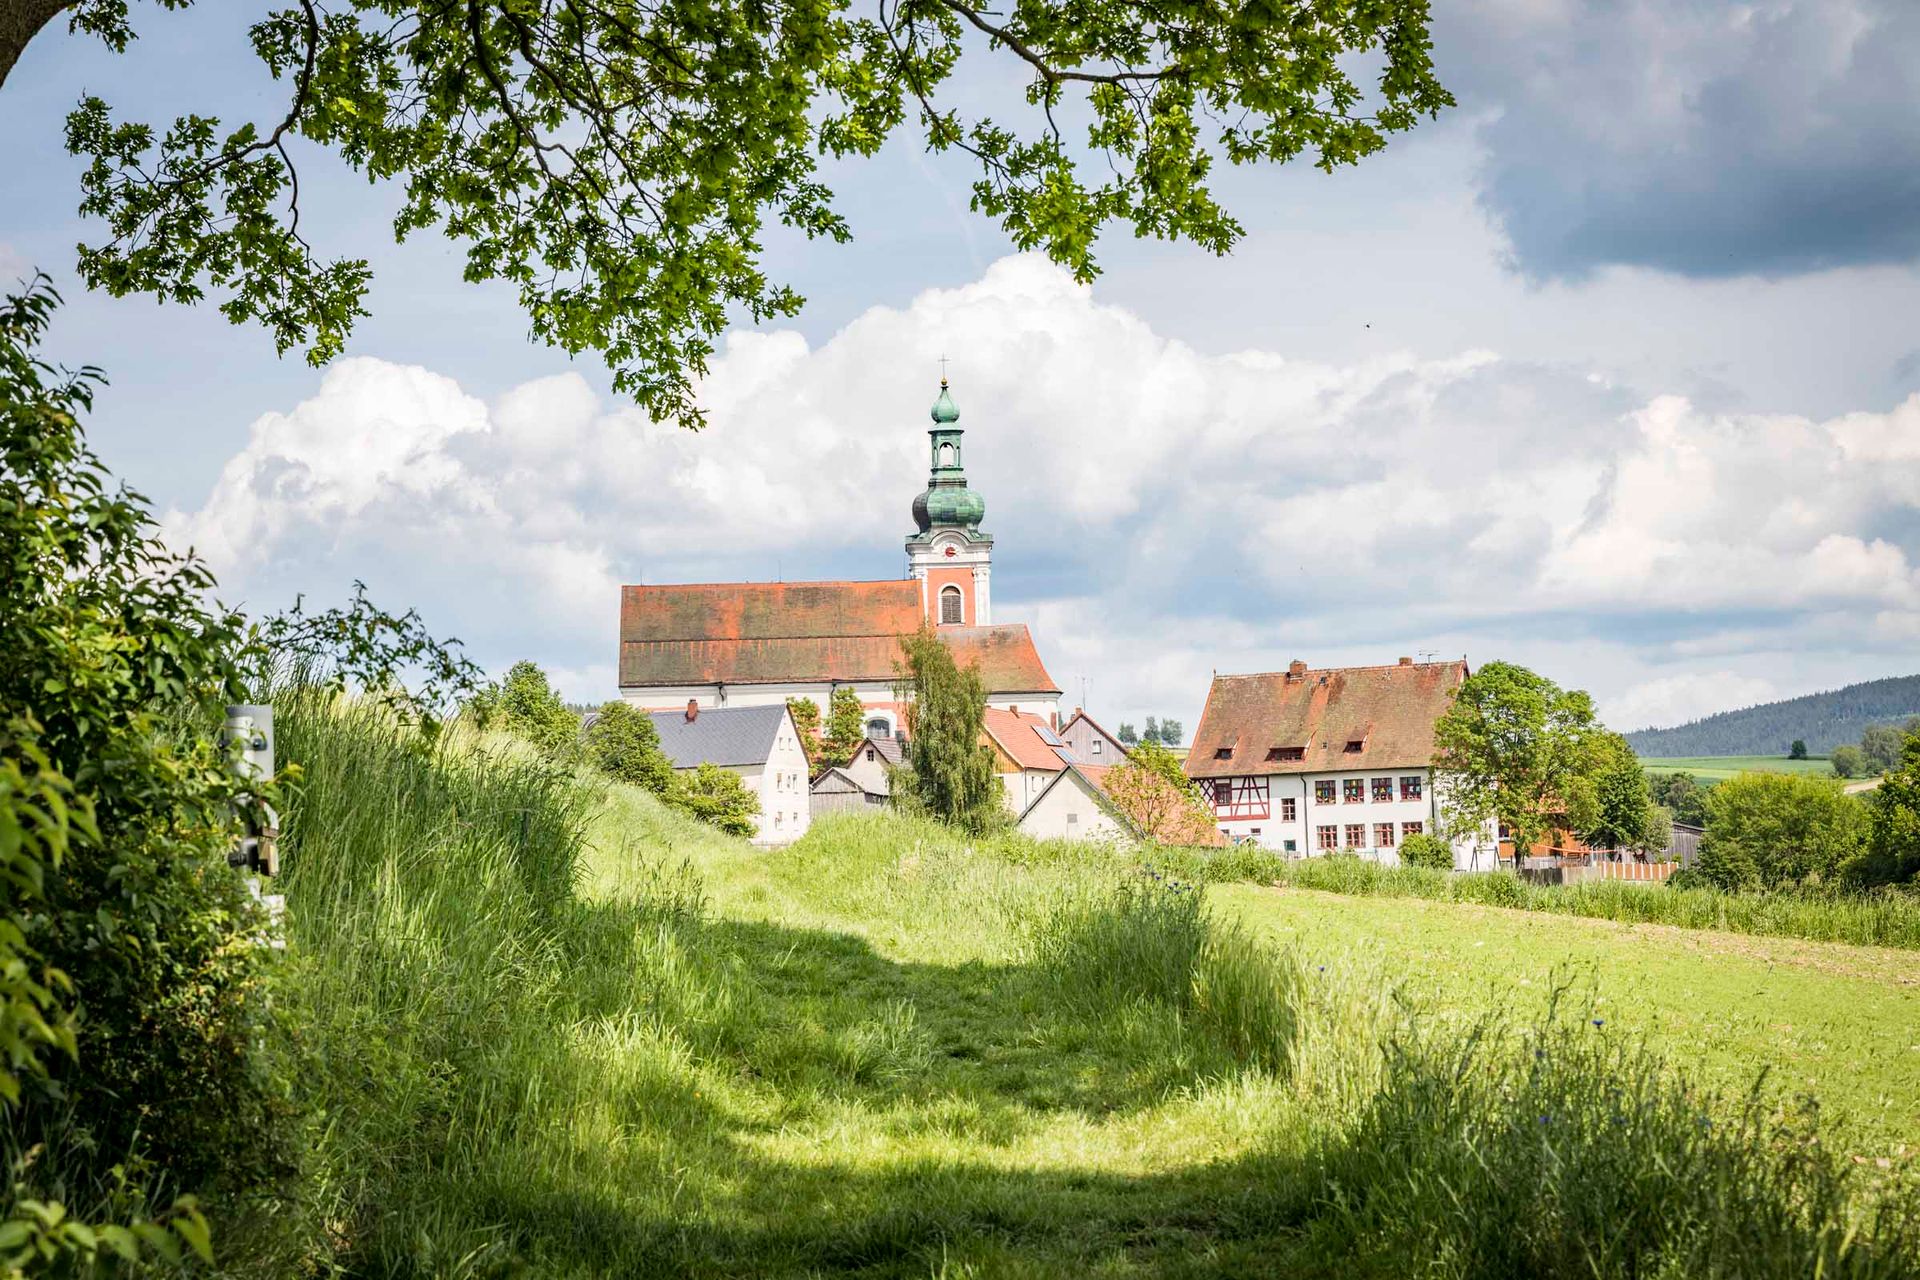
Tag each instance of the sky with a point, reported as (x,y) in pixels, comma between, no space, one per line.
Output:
(1614,370)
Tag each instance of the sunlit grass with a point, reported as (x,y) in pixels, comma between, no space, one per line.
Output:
(558,1030)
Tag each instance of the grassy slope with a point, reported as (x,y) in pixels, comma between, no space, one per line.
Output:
(849,1058)
(1717,768)
(1841,1022)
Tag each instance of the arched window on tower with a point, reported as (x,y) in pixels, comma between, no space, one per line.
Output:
(948,455)
(951,610)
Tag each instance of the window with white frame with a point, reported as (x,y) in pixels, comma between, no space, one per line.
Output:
(951,610)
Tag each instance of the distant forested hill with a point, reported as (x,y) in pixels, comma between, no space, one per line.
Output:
(1825,720)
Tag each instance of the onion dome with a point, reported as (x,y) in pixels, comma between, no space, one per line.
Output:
(947,500)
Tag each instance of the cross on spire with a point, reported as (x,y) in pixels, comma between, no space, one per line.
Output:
(943,371)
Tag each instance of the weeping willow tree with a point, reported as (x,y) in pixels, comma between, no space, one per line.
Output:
(949,770)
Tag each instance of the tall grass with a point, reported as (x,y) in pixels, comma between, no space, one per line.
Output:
(890,1049)
(1884,919)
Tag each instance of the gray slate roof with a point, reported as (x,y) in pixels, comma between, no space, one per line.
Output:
(729,736)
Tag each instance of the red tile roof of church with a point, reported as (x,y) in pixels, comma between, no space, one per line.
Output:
(1391,709)
(781,632)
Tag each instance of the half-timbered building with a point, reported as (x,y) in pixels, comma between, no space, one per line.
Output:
(1314,761)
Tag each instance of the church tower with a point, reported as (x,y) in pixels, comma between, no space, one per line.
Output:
(949,554)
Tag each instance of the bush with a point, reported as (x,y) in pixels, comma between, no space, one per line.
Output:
(1769,830)
(623,744)
(117,667)
(1428,851)
(716,796)
(1847,762)
(527,706)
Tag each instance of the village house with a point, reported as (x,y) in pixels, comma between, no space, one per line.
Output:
(760,744)
(1027,754)
(1074,805)
(1089,742)
(1309,762)
(871,760)
(744,644)
(837,791)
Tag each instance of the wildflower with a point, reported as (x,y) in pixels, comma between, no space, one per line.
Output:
(1599,1022)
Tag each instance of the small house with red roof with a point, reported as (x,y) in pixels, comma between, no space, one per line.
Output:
(761,643)
(1027,753)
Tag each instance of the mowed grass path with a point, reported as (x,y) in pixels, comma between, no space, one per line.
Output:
(1720,768)
(1839,1022)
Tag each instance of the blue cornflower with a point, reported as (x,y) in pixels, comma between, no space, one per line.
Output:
(1599,1022)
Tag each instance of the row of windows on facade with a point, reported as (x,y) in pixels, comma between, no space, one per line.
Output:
(1327,838)
(1231,792)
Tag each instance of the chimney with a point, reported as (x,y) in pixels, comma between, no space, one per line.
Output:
(693,710)
(1406,662)
(1296,670)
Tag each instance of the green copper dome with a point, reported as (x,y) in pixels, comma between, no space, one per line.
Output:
(944,410)
(947,500)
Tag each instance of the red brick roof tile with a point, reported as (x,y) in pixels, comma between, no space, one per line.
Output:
(1391,709)
(779,632)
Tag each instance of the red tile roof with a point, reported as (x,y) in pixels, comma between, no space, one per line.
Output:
(777,632)
(1017,734)
(1392,709)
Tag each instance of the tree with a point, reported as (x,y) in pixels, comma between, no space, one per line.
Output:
(1769,830)
(1798,751)
(1162,803)
(717,796)
(1893,838)
(846,727)
(1880,747)
(1657,838)
(1624,811)
(1171,731)
(1518,749)
(806,723)
(1847,762)
(1428,851)
(616,163)
(1152,732)
(624,745)
(526,706)
(1127,735)
(1682,795)
(951,768)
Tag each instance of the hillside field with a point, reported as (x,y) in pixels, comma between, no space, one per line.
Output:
(1720,768)
(1837,1021)
(560,1030)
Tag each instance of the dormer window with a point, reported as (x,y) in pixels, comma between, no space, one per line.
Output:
(1286,753)
(1356,745)
(1223,753)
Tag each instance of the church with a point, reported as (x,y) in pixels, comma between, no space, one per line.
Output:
(743,644)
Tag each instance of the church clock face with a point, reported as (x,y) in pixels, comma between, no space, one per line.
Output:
(951,552)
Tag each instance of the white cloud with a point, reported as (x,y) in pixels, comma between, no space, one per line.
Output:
(1674,700)
(1159,512)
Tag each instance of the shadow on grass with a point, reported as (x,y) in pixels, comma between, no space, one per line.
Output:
(1573,1162)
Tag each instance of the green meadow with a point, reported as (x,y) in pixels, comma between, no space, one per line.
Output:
(552,1028)
(1719,768)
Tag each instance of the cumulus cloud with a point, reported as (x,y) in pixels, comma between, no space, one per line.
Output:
(1159,512)
(1695,136)
(1672,700)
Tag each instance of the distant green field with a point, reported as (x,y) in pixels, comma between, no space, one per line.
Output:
(1717,768)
